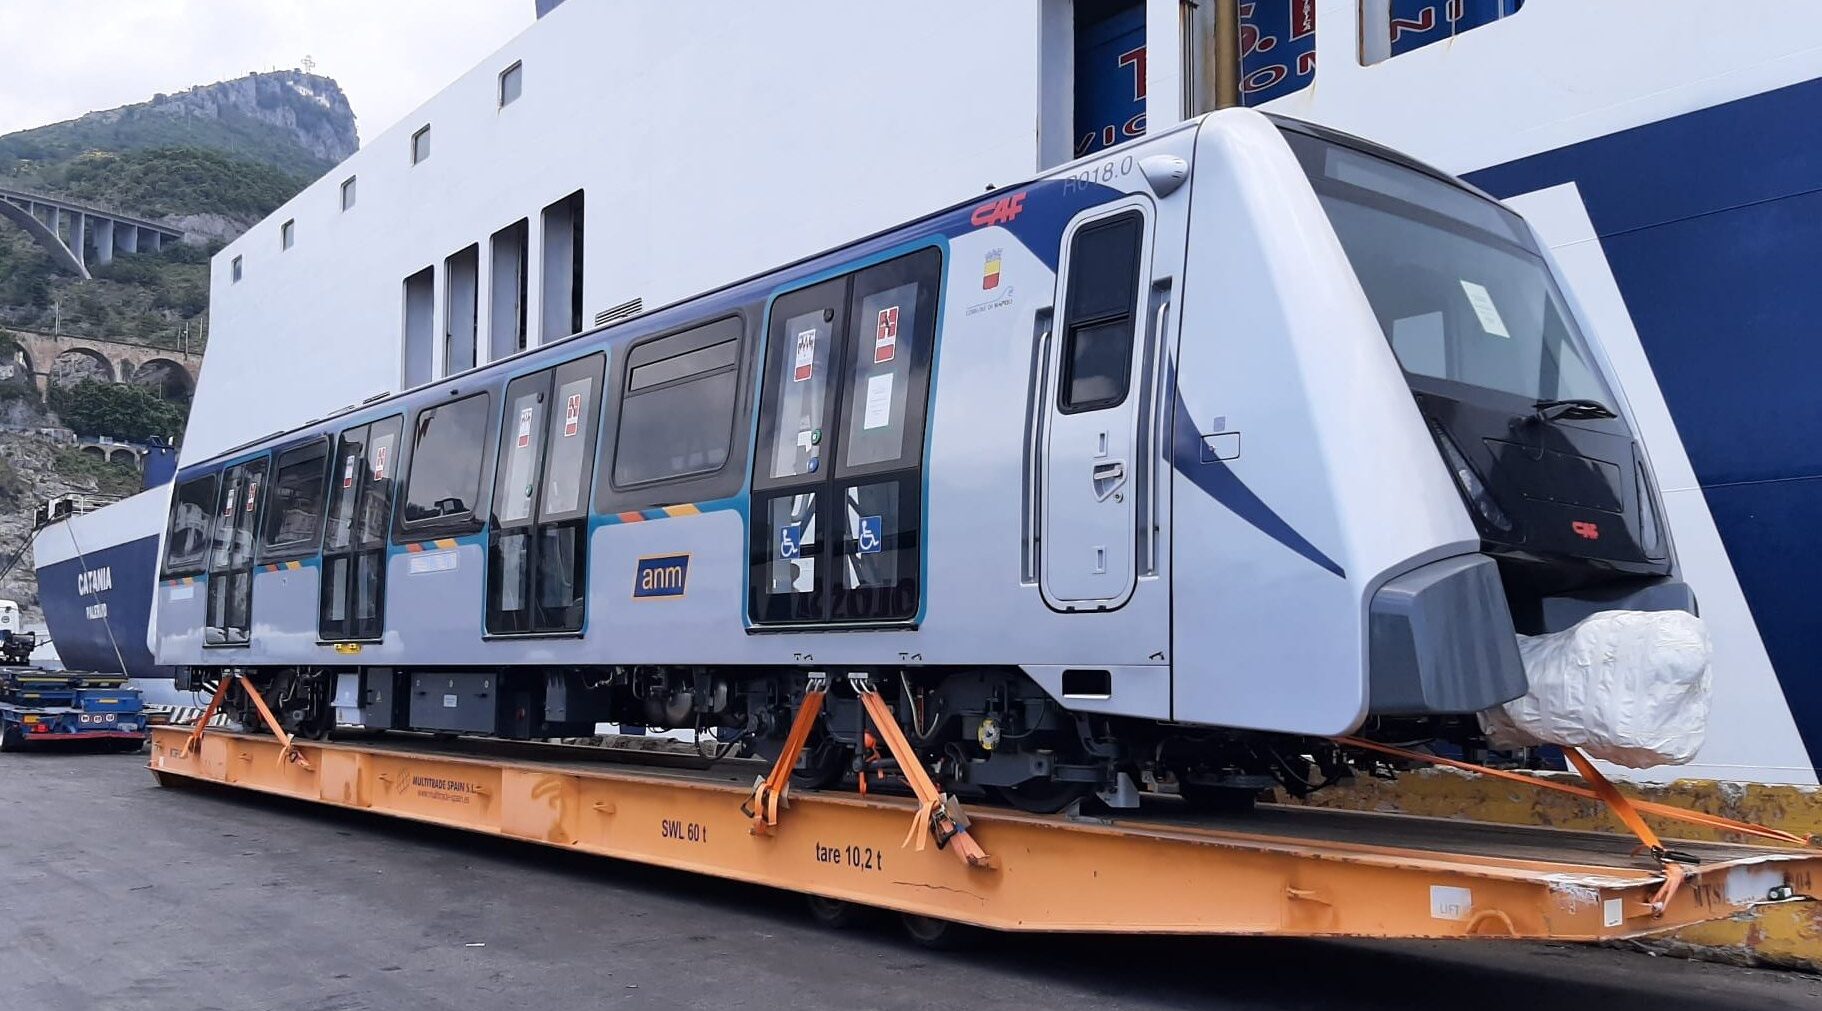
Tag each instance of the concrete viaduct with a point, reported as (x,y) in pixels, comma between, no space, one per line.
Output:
(119,361)
(71,232)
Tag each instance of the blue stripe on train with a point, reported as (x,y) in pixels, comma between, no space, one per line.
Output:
(1712,223)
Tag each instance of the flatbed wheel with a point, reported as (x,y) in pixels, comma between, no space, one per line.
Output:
(12,738)
(832,913)
(932,933)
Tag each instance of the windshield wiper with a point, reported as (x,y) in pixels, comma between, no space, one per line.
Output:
(1574,408)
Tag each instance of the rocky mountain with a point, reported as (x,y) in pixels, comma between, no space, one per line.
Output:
(300,124)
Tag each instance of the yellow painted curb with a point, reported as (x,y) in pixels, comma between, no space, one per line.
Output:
(1784,935)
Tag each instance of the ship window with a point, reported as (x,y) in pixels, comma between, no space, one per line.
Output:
(287,234)
(512,83)
(420,144)
(1100,313)
(234,269)
(348,193)
(562,282)
(677,412)
(188,537)
(461,309)
(446,459)
(294,511)
(506,307)
(1391,28)
(420,333)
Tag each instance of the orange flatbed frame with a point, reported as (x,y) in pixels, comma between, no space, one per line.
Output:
(1278,870)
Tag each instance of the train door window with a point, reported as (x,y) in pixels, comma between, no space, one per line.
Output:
(230,591)
(294,515)
(537,551)
(838,507)
(361,477)
(1099,314)
(187,541)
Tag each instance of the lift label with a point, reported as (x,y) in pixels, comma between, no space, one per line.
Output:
(861,858)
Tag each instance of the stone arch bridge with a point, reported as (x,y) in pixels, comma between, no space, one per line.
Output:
(120,362)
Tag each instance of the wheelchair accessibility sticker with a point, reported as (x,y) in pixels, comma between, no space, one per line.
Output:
(869,538)
(790,541)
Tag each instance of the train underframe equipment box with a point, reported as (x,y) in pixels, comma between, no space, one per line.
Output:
(65,706)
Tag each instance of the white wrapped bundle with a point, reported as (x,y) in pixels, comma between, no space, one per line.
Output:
(1629,687)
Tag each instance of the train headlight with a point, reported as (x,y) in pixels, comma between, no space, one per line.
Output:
(1472,487)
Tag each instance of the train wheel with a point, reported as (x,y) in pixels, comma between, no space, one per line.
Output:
(824,763)
(1044,796)
(930,932)
(833,913)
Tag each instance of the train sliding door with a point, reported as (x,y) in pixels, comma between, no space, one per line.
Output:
(537,563)
(838,483)
(1089,521)
(230,604)
(353,603)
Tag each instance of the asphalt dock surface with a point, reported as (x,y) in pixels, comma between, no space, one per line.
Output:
(118,895)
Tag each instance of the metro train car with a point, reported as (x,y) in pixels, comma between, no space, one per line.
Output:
(1166,466)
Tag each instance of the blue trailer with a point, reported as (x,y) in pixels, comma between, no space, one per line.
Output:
(40,706)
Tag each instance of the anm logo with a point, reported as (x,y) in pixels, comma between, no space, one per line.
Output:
(661,576)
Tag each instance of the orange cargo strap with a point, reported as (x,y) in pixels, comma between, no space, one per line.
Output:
(289,750)
(769,790)
(1628,811)
(937,814)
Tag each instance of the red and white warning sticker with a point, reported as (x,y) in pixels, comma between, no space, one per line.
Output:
(348,473)
(252,493)
(379,464)
(885,336)
(805,364)
(524,428)
(572,415)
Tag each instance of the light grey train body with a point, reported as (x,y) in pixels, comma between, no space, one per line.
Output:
(1122,455)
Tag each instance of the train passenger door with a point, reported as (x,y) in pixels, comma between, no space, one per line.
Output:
(837,507)
(230,606)
(352,607)
(537,562)
(1089,520)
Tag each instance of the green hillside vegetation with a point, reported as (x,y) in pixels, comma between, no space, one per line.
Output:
(133,129)
(160,181)
(123,411)
(145,297)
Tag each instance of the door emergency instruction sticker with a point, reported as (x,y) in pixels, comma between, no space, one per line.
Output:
(348,474)
(572,414)
(879,401)
(524,441)
(1482,301)
(805,365)
(379,465)
(885,336)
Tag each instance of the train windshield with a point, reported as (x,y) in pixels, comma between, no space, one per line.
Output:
(1455,280)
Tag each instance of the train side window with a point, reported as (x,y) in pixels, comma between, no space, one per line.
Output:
(446,459)
(294,516)
(187,540)
(1100,316)
(677,408)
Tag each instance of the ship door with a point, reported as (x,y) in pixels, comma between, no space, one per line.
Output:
(353,592)
(537,563)
(230,604)
(1088,519)
(837,508)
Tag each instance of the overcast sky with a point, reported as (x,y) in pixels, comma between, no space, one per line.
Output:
(68,57)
